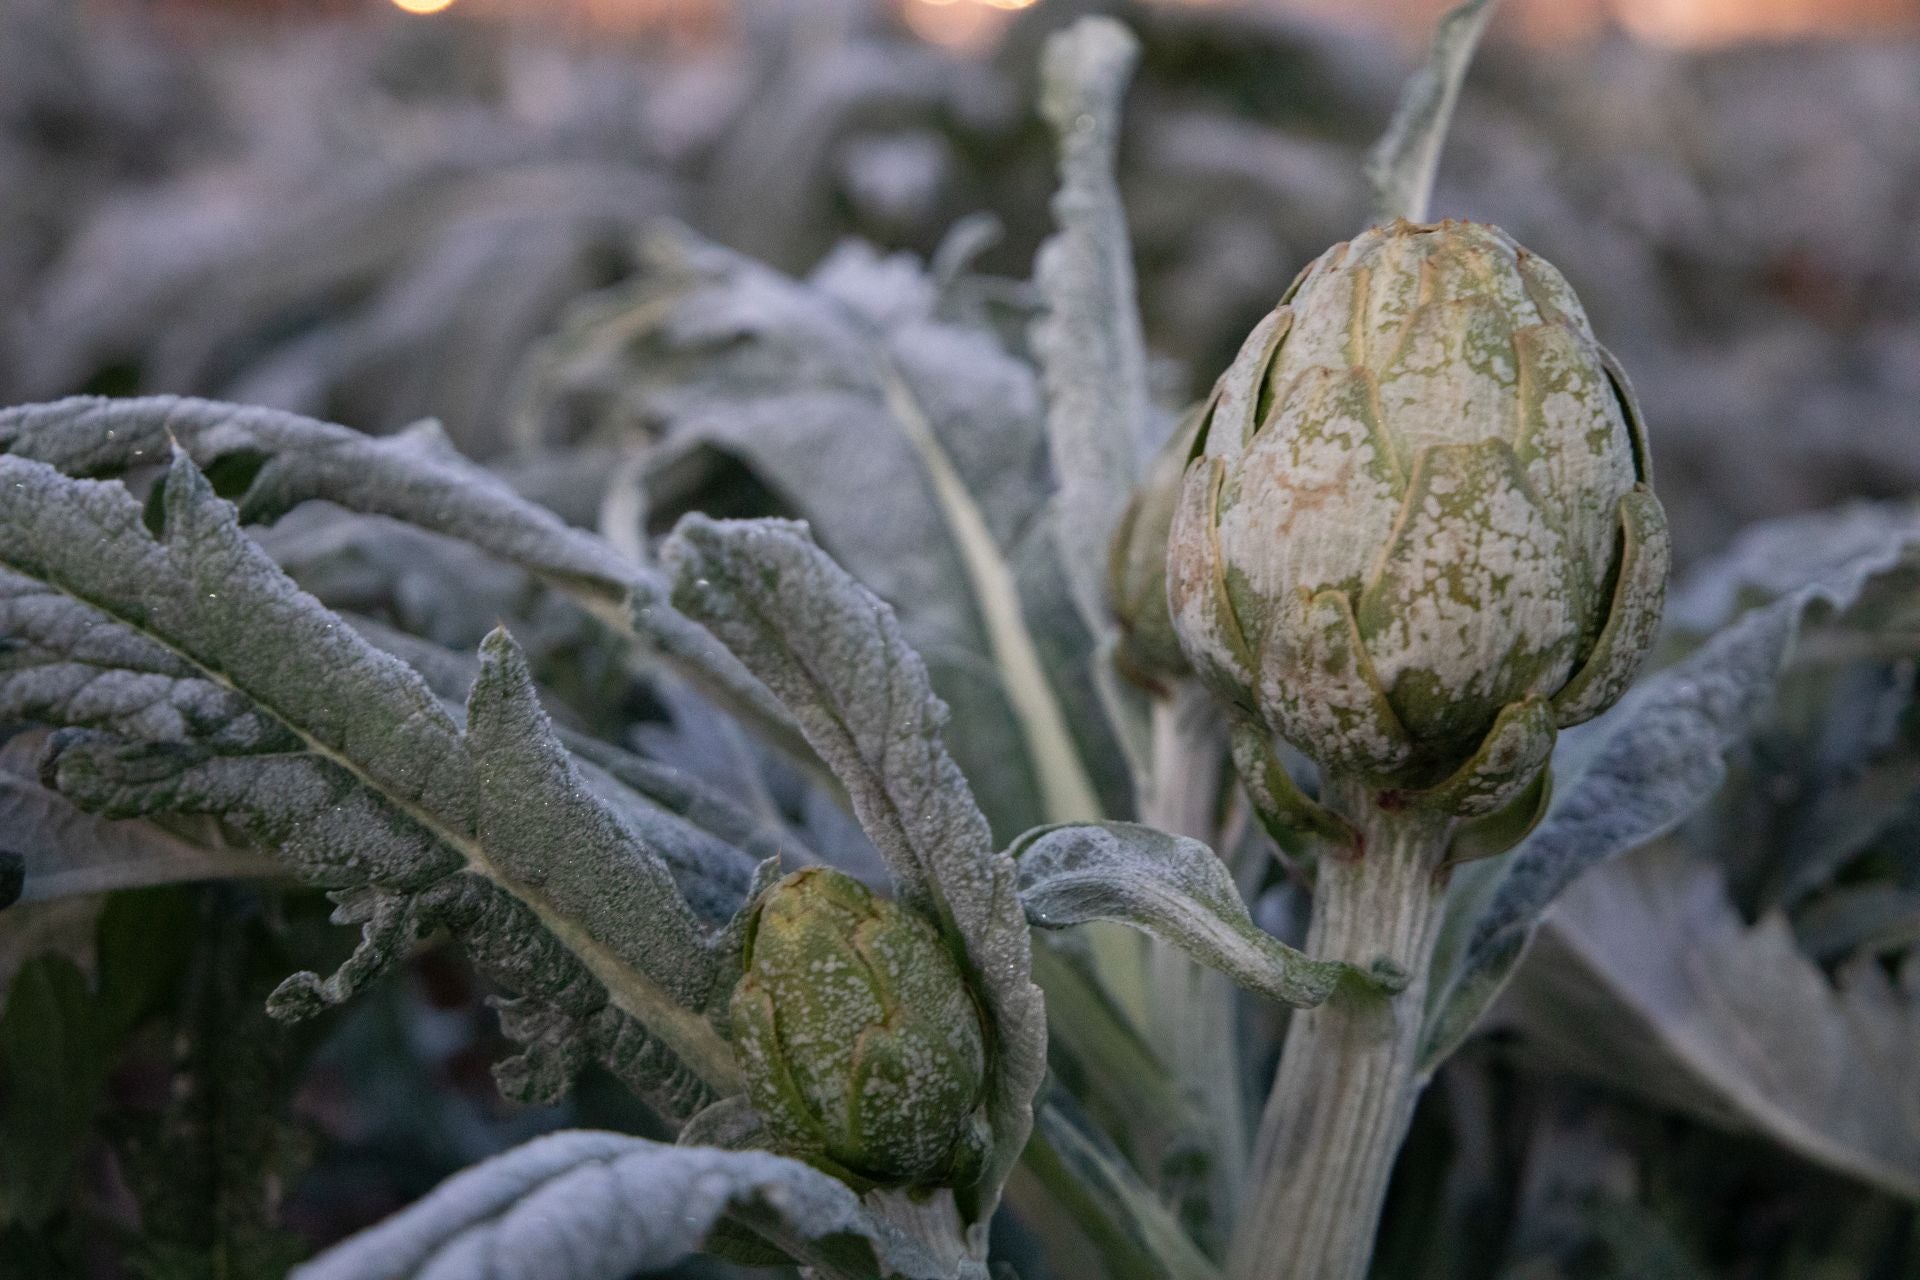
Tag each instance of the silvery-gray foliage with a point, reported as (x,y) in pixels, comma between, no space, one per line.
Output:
(596,870)
(273,461)
(1651,981)
(1172,887)
(912,440)
(583,1205)
(1403,164)
(361,267)
(1088,339)
(708,841)
(1778,557)
(1650,764)
(61,851)
(189,676)
(834,654)
(1101,425)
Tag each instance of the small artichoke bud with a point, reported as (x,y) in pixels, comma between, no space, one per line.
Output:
(862,1047)
(1148,652)
(1418,537)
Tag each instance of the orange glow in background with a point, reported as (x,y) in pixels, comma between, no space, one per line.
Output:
(974,23)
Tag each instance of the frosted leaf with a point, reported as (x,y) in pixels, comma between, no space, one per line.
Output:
(834,654)
(272,461)
(1172,887)
(338,759)
(584,1205)
(1650,763)
(914,445)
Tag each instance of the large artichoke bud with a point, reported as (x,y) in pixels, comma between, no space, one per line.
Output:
(1418,536)
(861,1044)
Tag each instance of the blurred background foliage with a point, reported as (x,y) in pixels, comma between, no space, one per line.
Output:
(372,216)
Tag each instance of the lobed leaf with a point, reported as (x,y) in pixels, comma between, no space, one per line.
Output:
(583,1205)
(269,462)
(1649,980)
(194,678)
(834,654)
(59,850)
(1172,887)
(543,828)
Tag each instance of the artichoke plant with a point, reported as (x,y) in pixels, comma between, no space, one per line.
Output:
(861,1044)
(1411,532)
(1418,536)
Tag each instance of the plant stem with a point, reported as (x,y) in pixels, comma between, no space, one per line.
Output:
(1346,1086)
(932,1220)
(1191,1012)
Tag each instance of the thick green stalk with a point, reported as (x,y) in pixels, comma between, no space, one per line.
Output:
(1191,1015)
(1346,1086)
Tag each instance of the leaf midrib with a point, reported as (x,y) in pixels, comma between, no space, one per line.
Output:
(688,1034)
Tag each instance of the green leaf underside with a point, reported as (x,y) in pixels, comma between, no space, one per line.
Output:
(1657,758)
(1139,1238)
(584,1205)
(1172,887)
(833,653)
(194,678)
(56,1047)
(62,1032)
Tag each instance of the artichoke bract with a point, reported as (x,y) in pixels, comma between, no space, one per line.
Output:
(1418,536)
(861,1044)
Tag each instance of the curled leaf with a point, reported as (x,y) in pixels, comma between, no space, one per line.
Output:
(1171,887)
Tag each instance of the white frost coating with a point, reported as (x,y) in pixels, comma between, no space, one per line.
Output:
(1575,444)
(583,1205)
(1319,453)
(1202,617)
(1452,380)
(1318,686)
(1169,886)
(1322,326)
(1475,576)
(1552,294)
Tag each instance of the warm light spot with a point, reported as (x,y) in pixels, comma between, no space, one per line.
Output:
(967,25)
(1009,4)
(423,6)
(1698,22)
